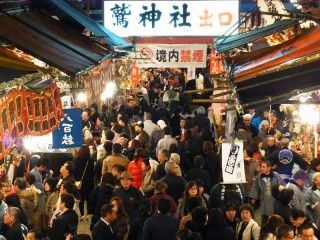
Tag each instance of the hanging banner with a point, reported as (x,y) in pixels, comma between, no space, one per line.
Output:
(232,162)
(171,18)
(69,132)
(216,64)
(171,55)
(135,73)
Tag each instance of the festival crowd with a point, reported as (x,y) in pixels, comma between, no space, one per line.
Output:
(150,169)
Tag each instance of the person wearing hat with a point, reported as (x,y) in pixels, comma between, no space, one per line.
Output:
(141,135)
(129,195)
(247,125)
(302,196)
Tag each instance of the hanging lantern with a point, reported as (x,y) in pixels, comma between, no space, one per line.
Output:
(215,63)
(135,73)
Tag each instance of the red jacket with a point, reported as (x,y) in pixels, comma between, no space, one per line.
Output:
(135,169)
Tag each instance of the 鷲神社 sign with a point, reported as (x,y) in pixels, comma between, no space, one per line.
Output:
(171,18)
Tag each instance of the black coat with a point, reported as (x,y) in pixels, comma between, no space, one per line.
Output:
(102,231)
(67,222)
(16,231)
(160,227)
(212,164)
(136,228)
(176,186)
(79,170)
(198,173)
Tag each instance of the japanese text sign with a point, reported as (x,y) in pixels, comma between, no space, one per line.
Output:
(171,55)
(171,18)
(69,133)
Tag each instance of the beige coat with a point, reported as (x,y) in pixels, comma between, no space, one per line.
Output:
(112,160)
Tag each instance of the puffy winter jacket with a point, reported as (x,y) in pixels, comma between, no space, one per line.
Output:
(135,169)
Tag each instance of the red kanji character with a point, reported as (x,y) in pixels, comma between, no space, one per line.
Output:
(198,55)
(185,55)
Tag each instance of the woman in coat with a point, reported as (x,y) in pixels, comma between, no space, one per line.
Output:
(247,229)
(84,172)
(121,224)
(135,167)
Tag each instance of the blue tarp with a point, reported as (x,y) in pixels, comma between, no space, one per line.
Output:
(226,43)
(92,25)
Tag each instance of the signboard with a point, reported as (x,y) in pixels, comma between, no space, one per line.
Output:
(233,163)
(171,55)
(69,133)
(170,18)
(273,7)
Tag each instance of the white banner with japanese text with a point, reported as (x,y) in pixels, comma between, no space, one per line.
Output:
(171,18)
(171,55)
(232,162)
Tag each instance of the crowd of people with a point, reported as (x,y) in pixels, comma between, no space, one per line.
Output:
(150,169)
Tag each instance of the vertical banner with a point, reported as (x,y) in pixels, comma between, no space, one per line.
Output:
(232,162)
(135,73)
(69,132)
(215,63)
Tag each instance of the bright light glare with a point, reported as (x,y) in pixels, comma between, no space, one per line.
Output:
(82,97)
(109,91)
(308,114)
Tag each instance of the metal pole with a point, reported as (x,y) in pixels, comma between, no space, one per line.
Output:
(206,90)
(212,101)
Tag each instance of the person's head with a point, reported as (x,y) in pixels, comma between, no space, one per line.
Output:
(31,235)
(108,147)
(192,203)
(285,196)
(116,170)
(167,130)
(265,167)
(117,148)
(42,164)
(108,213)
(163,155)
(297,217)
(216,218)
(145,206)
(300,177)
(30,179)
(139,127)
(292,146)
(200,215)
(271,226)
(264,126)
(170,167)
(285,232)
(284,143)
(13,200)
(123,140)
(84,151)
(50,185)
(198,161)
(145,165)
(20,184)
(315,165)
(247,119)
(271,141)
(139,153)
(306,232)
(163,205)
(161,124)
(85,115)
(134,144)
(160,187)
(191,189)
(67,202)
(183,123)
(316,179)
(67,169)
(109,135)
(246,213)
(117,204)
(230,212)
(207,147)
(67,187)
(11,216)
(126,180)
(147,116)
(107,178)
(201,186)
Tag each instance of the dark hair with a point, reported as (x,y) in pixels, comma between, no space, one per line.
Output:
(119,168)
(268,163)
(271,226)
(146,162)
(107,178)
(305,226)
(285,196)
(297,213)
(247,207)
(84,151)
(106,209)
(70,166)
(135,144)
(207,146)
(69,187)
(199,215)
(192,203)
(108,146)
(13,200)
(30,178)
(190,185)
(198,161)
(52,182)
(121,210)
(165,152)
(68,200)
(163,205)
(117,148)
(42,162)
(139,153)
(145,206)
(173,148)
(283,230)
(216,219)
(230,207)
(109,135)
(20,182)
(314,163)
(167,130)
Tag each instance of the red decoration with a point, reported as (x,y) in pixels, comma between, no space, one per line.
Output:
(216,64)
(135,73)
(27,113)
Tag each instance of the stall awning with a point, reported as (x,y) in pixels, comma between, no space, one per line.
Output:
(280,56)
(226,43)
(47,39)
(92,25)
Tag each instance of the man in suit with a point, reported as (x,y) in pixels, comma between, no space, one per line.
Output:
(102,230)
(67,221)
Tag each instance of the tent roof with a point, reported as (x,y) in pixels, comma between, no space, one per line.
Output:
(47,39)
(226,43)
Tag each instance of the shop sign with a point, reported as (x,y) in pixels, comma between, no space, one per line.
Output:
(274,7)
(69,133)
(171,18)
(232,162)
(171,55)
